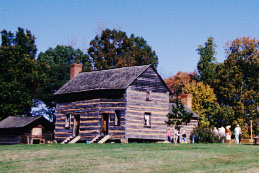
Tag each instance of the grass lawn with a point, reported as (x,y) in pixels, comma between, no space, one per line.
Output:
(133,157)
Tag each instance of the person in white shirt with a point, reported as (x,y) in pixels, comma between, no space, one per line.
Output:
(237,133)
(176,135)
(216,132)
(222,133)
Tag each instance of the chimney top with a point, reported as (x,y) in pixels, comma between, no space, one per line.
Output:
(75,69)
(187,100)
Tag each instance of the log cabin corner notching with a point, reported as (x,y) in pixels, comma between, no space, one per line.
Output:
(128,103)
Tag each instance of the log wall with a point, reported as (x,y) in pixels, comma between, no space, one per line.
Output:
(110,106)
(188,129)
(137,106)
(90,112)
(7,140)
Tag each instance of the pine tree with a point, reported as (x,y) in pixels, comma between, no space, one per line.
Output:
(207,65)
(179,115)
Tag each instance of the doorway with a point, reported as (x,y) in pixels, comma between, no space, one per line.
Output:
(105,124)
(76,125)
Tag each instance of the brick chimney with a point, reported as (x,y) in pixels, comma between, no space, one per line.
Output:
(75,69)
(186,100)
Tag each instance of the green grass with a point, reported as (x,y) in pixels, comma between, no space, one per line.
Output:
(133,157)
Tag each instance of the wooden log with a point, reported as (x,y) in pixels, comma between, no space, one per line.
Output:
(148,103)
(89,121)
(153,108)
(112,109)
(65,135)
(89,124)
(143,111)
(143,93)
(143,136)
(116,131)
(116,134)
(91,135)
(89,128)
(141,117)
(88,131)
(112,105)
(133,130)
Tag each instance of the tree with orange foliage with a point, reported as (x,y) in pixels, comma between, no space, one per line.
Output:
(177,82)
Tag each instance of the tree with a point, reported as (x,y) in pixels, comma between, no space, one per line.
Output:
(179,115)
(224,116)
(19,78)
(177,82)
(55,65)
(207,64)
(203,102)
(237,82)
(115,49)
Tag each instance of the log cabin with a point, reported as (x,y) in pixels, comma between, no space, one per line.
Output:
(25,130)
(122,104)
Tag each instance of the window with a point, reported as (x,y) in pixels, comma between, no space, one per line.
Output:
(36,131)
(148,96)
(117,118)
(147,119)
(67,120)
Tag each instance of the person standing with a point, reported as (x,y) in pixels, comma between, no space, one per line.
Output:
(184,136)
(193,138)
(222,133)
(228,134)
(176,134)
(237,133)
(169,134)
(216,132)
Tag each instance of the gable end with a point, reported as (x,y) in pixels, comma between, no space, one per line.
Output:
(150,80)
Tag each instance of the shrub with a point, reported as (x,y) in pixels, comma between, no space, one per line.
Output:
(206,135)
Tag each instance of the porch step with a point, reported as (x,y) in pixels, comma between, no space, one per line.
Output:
(77,138)
(104,139)
(67,140)
(94,139)
(98,139)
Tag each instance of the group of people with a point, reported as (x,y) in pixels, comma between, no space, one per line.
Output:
(226,133)
(176,135)
(222,133)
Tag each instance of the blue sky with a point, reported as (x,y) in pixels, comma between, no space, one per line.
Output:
(174,29)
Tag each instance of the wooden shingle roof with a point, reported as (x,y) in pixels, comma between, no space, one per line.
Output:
(17,122)
(118,78)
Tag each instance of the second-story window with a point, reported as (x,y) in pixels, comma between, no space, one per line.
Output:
(148,95)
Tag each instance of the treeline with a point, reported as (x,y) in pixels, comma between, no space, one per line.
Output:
(28,80)
(224,93)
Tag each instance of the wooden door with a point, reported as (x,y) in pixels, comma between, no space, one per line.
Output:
(105,124)
(76,125)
